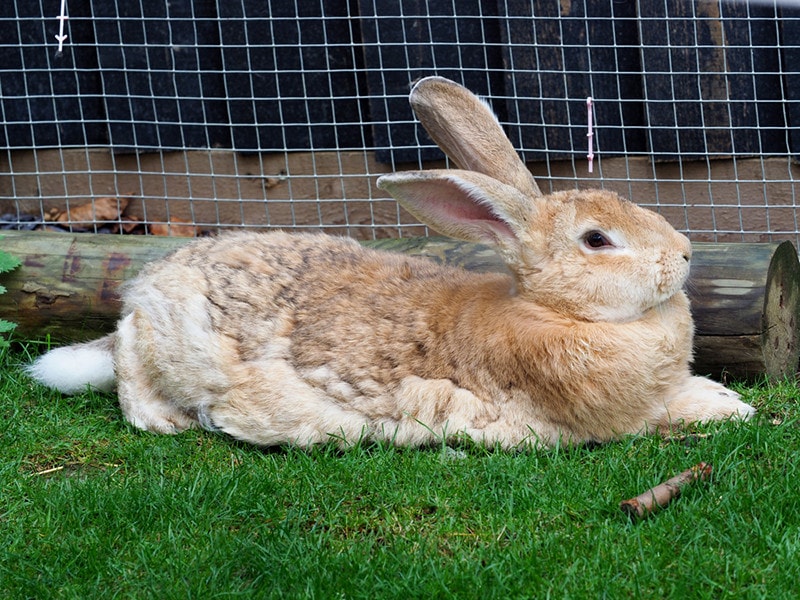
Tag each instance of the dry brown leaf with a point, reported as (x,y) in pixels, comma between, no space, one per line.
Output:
(175,228)
(98,210)
(131,223)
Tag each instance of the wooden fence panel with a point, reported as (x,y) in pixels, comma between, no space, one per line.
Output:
(405,40)
(293,75)
(555,55)
(680,79)
(47,98)
(710,76)
(160,70)
(790,69)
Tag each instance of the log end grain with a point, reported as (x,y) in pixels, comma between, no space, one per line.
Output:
(780,326)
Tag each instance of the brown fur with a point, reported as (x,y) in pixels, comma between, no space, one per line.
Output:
(278,338)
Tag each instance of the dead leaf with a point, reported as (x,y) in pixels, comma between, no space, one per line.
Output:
(131,224)
(175,228)
(98,210)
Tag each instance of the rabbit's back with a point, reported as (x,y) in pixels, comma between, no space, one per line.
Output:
(282,323)
(252,288)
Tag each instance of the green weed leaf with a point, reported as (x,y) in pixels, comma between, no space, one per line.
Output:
(7,263)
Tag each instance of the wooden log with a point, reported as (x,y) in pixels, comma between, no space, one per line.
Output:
(745,301)
(745,297)
(67,286)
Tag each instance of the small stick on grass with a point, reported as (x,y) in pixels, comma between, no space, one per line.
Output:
(661,495)
(48,471)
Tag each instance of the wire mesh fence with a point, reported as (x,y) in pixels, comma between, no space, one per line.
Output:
(195,115)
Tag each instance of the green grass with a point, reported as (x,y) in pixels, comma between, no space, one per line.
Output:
(93,508)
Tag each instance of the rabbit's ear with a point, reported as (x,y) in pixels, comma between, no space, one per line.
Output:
(468,206)
(465,127)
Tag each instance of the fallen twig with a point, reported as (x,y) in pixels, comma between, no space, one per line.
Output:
(48,471)
(661,495)
(72,466)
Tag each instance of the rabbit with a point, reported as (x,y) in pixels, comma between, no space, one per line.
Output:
(279,338)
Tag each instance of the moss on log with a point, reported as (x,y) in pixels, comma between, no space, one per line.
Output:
(68,284)
(745,297)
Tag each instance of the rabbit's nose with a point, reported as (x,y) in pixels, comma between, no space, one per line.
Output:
(686,249)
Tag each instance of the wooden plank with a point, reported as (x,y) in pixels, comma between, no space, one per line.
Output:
(753,77)
(405,40)
(789,24)
(556,54)
(292,76)
(331,191)
(701,69)
(672,94)
(336,190)
(48,99)
(159,64)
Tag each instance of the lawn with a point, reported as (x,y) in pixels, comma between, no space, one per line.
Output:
(93,508)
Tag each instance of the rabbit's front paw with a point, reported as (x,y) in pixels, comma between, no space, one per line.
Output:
(701,400)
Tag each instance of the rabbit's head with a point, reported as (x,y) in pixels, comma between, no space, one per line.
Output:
(589,255)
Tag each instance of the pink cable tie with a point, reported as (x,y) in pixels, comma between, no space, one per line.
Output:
(590,135)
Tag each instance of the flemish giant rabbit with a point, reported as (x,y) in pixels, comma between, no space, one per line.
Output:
(277,338)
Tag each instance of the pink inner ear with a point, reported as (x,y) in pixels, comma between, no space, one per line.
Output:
(463,205)
(463,211)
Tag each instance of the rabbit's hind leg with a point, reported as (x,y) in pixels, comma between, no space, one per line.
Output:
(265,418)
(141,401)
(272,404)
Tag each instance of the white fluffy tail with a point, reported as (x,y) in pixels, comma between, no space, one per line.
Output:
(72,369)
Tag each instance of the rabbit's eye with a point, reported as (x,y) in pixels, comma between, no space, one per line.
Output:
(595,239)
